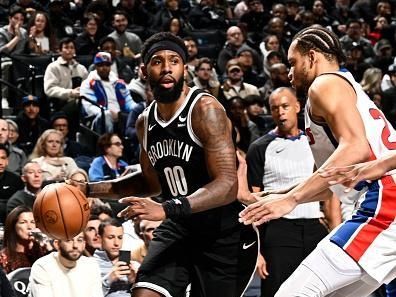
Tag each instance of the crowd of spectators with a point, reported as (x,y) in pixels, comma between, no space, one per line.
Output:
(72,113)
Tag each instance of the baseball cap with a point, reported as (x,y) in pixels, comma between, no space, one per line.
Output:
(102,57)
(30,99)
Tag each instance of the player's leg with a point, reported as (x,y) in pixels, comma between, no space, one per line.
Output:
(225,265)
(165,270)
(142,292)
(327,269)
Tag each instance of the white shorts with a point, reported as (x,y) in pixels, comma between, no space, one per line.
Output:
(328,271)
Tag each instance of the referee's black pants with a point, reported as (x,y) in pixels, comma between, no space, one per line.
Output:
(284,244)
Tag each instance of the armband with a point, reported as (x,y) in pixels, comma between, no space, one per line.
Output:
(177,208)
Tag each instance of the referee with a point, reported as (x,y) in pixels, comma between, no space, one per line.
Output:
(278,160)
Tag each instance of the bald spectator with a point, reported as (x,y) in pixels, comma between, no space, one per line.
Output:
(235,40)
(32,176)
(278,78)
(17,157)
(9,182)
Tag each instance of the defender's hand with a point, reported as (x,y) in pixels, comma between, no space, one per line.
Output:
(349,176)
(272,207)
(142,209)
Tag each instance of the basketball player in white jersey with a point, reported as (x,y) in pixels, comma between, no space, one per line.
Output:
(345,128)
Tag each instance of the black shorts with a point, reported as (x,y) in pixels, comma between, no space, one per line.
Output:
(217,259)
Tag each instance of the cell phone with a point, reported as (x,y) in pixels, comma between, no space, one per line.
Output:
(125,256)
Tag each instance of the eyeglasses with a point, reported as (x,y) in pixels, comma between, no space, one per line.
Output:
(205,69)
(117,143)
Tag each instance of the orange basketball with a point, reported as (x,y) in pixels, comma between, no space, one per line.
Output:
(61,211)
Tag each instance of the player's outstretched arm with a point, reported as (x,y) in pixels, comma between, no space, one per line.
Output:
(349,176)
(145,184)
(213,129)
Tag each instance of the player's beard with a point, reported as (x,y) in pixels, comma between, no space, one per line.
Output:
(164,95)
(68,255)
(302,88)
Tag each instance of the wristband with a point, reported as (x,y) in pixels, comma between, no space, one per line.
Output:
(177,208)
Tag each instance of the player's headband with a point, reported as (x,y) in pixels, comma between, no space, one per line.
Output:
(165,45)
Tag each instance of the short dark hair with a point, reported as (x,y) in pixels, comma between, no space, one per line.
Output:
(189,38)
(4,148)
(98,209)
(104,142)
(106,39)
(103,225)
(15,9)
(120,12)
(90,16)
(66,40)
(203,60)
(163,36)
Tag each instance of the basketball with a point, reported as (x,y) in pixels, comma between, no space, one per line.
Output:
(61,211)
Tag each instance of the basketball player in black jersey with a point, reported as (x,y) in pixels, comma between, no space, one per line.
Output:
(187,156)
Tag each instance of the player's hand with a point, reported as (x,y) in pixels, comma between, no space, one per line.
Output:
(120,268)
(244,195)
(349,176)
(262,267)
(272,207)
(142,209)
(134,267)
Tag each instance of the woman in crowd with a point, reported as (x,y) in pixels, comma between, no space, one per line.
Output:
(13,131)
(20,247)
(371,81)
(108,164)
(41,38)
(87,42)
(48,153)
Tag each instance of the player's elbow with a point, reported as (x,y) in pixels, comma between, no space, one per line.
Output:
(362,151)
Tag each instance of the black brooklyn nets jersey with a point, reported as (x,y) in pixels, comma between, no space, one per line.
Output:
(174,150)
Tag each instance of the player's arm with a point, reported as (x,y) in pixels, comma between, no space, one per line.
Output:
(349,176)
(213,129)
(331,209)
(337,107)
(142,185)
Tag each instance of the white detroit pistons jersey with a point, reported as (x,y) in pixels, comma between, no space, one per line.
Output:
(369,236)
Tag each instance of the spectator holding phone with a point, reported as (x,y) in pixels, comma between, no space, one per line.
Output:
(117,275)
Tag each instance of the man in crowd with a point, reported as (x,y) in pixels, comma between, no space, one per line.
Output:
(145,229)
(117,276)
(9,182)
(235,40)
(128,43)
(32,176)
(63,77)
(234,85)
(66,272)
(13,37)
(31,124)
(16,156)
(91,236)
(104,88)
